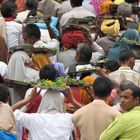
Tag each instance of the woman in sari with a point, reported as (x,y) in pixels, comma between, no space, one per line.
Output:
(126,41)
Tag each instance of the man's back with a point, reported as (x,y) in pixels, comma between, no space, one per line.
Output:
(46,126)
(93,119)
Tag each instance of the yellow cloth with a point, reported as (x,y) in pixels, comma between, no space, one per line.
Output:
(139,28)
(40,60)
(105,6)
(110,27)
(85,98)
(119,1)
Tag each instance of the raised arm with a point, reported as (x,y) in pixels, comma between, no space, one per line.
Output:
(23,102)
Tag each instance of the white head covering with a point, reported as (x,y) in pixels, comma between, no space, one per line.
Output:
(52,102)
(3,68)
(18,71)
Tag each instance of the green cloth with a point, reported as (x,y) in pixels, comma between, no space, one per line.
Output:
(125,127)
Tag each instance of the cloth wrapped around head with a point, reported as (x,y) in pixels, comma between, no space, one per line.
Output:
(52,102)
(110,27)
(105,6)
(73,35)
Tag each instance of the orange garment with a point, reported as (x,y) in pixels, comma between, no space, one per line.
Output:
(40,60)
(20,5)
(85,98)
(105,6)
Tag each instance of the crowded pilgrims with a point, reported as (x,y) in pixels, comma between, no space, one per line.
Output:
(69,69)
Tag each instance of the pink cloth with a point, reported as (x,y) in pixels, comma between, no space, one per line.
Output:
(96,6)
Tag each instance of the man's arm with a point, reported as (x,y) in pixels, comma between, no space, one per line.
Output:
(68,94)
(114,130)
(23,102)
(50,30)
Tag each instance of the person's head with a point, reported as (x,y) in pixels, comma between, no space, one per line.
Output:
(130,37)
(83,53)
(48,72)
(111,66)
(9,9)
(31,4)
(110,27)
(4,93)
(136,50)
(124,9)
(105,7)
(130,95)
(127,58)
(102,87)
(31,33)
(76,3)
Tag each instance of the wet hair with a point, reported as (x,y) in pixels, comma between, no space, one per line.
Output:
(32,4)
(85,52)
(8,8)
(48,72)
(125,55)
(4,93)
(32,30)
(76,3)
(102,87)
(112,65)
(131,86)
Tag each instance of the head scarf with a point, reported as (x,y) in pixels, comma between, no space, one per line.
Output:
(52,102)
(85,98)
(104,6)
(17,70)
(110,27)
(126,41)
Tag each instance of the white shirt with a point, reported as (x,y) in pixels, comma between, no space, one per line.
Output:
(77,12)
(21,16)
(14,34)
(46,126)
(53,45)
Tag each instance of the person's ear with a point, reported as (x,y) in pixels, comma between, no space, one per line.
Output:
(137,100)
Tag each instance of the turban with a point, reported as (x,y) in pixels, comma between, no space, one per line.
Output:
(110,27)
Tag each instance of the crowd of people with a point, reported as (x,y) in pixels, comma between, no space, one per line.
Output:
(93,41)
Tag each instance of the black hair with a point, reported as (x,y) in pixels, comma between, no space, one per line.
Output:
(136,50)
(32,4)
(76,3)
(4,93)
(125,55)
(112,65)
(102,87)
(130,85)
(8,8)
(85,52)
(32,30)
(48,72)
